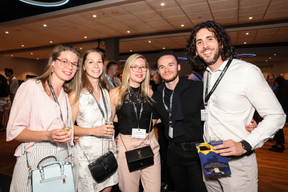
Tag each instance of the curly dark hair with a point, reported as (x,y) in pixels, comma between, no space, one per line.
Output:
(227,50)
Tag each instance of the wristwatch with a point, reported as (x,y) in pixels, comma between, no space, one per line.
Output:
(246,146)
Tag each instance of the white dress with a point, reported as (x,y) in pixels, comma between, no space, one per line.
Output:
(89,116)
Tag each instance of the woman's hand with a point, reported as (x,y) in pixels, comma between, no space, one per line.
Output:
(59,136)
(104,131)
(251,126)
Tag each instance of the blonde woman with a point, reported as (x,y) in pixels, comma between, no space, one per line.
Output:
(39,113)
(90,105)
(132,104)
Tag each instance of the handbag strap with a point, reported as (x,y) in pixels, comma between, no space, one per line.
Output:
(143,139)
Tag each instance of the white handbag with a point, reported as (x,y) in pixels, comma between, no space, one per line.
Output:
(54,176)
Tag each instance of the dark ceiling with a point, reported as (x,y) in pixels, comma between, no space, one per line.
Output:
(15,9)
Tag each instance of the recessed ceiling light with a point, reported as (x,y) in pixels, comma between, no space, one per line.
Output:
(85,37)
(266,60)
(12,55)
(130,50)
(247,33)
(245,42)
(80,48)
(162,4)
(270,58)
(94,16)
(149,41)
(44,25)
(182,25)
(250,18)
(163,48)
(275,54)
(31,53)
(50,41)
(22,45)
(37,58)
(7,32)
(128,31)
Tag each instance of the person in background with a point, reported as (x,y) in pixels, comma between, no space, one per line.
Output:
(13,83)
(155,77)
(281,93)
(111,78)
(271,81)
(41,114)
(132,104)
(5,102)
(90,103)
(231,105)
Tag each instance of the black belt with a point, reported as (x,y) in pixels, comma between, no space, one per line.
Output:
(183,146)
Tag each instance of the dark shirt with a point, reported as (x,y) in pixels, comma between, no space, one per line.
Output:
(186,110)
(126,114)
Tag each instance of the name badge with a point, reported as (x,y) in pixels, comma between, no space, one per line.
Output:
(138,133)
(204,114)
(170,132)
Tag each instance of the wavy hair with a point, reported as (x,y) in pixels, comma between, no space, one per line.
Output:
(125,86)
(222,37)
(81,80)
(53,57)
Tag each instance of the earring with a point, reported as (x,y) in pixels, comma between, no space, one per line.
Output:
(52,69)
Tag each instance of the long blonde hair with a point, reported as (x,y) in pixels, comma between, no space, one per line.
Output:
(53,57)
(125,86)
(81,80)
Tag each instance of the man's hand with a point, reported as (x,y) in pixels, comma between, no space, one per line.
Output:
(230,148)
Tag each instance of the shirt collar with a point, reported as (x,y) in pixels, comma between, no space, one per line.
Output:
(220,68)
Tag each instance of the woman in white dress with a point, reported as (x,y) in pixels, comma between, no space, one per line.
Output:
(90,105)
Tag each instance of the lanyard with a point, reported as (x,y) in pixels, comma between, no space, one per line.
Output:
(207,96)
(56,100)
(169,110)
(104,102)
(135,108)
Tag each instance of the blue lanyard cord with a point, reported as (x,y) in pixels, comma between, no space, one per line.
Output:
(135,108)
(208,95)
(56,100)
(104,102)
(169,110)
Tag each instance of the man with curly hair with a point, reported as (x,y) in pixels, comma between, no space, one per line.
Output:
(233,90)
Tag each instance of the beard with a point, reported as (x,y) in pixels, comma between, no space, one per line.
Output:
(213,60)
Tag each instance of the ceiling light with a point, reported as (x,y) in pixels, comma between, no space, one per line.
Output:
(22,45)
(149,41)
(245,42)
(45,4)
(12,55)
(85,37)
(37,58)
(31,53)
(44,25)
(94,16)
(128,31)
(50,41)
(163,48)
(80,48)
(265,60)
(7,32)
(130,50)
(275,54)
(270,58)
(162,4)
(250,18)
(182,25)
(247,33)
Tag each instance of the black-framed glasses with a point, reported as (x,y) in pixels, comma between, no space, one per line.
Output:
(66,62)
(136,68)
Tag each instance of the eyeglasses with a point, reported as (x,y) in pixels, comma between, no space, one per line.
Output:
(136,68)
(66,62)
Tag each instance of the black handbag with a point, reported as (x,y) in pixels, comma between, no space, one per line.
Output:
(103,167)
(139,158)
